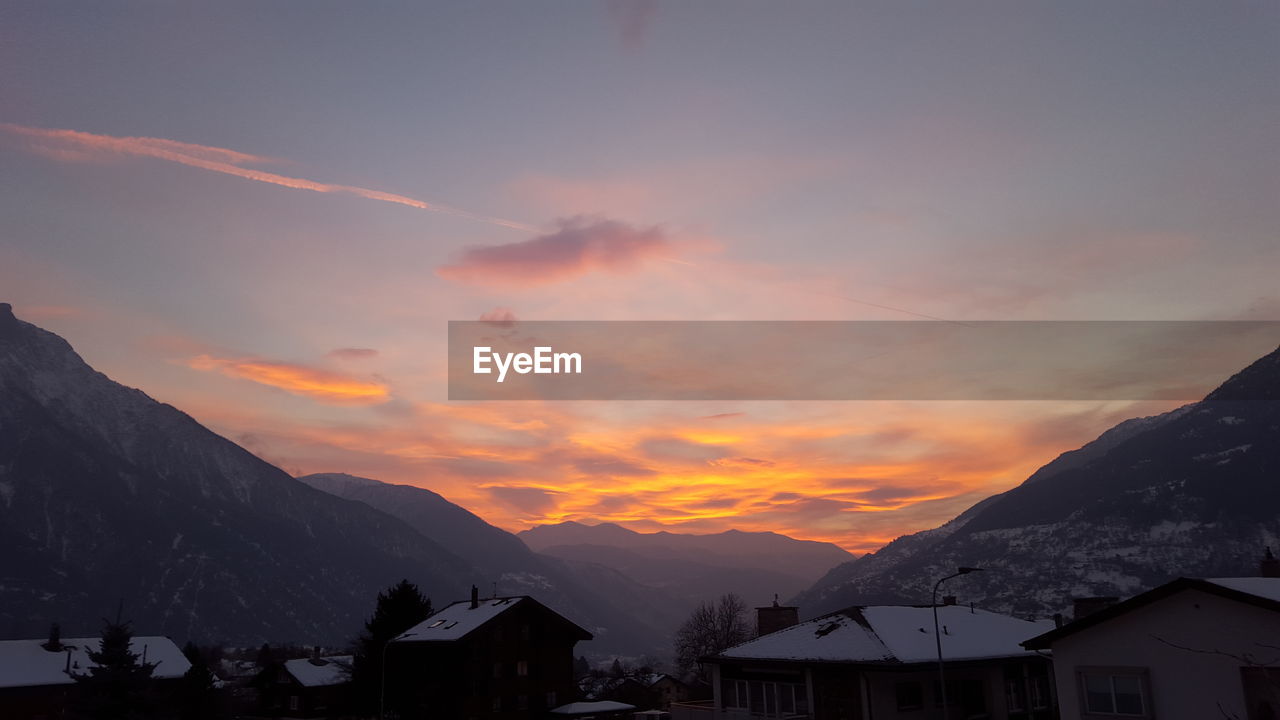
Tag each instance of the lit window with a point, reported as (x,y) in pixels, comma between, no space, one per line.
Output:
(522,668)
(1114,692)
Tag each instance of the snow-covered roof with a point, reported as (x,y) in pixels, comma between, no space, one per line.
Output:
(584,708)
(457,620)
(1262,587)
(25,663)
(1260,591)
(895,633)
(319,672)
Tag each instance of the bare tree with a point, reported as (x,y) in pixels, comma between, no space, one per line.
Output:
(711,629)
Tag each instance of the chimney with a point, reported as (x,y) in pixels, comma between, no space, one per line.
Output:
(55,639)
(1083,607)
(1270,566)
(1057,620)
(948,599)
(776,617)
(475,597)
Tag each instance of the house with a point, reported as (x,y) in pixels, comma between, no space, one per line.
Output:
(642,689)
(1188,649)
(501,657)
(881,662)
(313,687)
(667,689)
(36,676)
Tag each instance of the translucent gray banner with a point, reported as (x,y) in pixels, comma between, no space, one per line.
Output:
(819,360)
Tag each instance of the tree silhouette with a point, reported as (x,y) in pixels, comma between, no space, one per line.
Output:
(117,685)
(399,608)
(710,630)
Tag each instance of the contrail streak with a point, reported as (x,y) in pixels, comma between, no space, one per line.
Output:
(230,162)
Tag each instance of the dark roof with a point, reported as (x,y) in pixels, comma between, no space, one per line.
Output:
(458,620)
(1220,587)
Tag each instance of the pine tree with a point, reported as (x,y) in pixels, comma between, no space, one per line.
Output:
(197,693)
(117,685)
(399,608)
(581,668)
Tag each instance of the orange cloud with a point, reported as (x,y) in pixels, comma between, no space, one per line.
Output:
(858,474)
(579,246)
(74,146)
(317,384)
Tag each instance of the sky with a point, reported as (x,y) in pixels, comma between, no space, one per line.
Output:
(265,215)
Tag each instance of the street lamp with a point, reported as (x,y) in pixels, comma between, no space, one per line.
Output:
(937,636)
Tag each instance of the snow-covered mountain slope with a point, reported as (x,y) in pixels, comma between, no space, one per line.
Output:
(107,495)
(1195,491)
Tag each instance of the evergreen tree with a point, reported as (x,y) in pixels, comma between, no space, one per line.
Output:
(118,683)
(197,694)
(399,608)
(581,668)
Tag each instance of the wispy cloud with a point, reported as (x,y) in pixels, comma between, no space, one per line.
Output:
(352,353)
(633,18)
(579,246)
(316,383)
(73,145)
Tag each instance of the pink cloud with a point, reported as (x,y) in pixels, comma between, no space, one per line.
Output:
(352,353)
(581,245)
(76,146)
(633,18)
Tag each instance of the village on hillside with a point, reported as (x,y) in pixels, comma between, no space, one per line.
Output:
(1191,648)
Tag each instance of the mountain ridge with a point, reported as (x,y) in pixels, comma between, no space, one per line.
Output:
(1188,492)
(107,495)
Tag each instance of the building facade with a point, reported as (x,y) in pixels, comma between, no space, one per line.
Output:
(1192,649)
(881,662)
(506,658)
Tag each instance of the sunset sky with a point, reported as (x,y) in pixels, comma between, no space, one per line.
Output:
(266,213)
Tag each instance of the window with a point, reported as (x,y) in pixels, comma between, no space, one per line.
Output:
(1114,692)
(1015,695)
(765,698)
(522,668)
(1040,693)
(910,696)
(497,671)
(522,702)
(293,702)
(735,694)
(551,699)
(497,704)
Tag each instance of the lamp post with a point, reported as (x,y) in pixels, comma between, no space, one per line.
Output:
(937,635)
